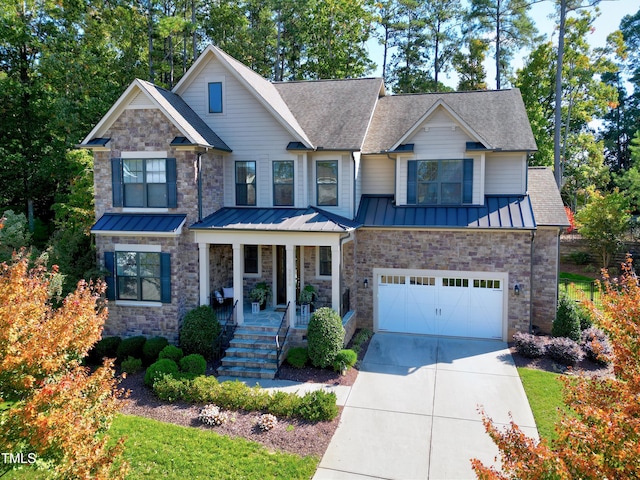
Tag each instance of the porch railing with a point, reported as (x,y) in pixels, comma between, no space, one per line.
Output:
(281,336)
(228,328)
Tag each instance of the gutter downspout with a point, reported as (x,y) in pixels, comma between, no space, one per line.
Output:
(199,183)
(533,237)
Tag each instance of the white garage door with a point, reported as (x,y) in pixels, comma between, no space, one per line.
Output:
(441,303)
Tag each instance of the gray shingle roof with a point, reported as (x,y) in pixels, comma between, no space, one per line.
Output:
(498,116)
(309,219)
(139,222)
(513,212)
(545,198)
(335,114)
(198,131)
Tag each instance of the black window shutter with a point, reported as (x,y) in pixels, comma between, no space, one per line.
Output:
(116,182)
(412,183)
(110,277)
(467,186)
(172,189)
(165,278)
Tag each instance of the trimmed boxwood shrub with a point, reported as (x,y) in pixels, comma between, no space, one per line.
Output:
(161,367)
(172,353)
(199,331)
(131,347)
(298,357)
(345,359)
(325,337)
(131,365)
(152,348)
(105,347)
(565,351)
(529,345)
(318,405)
(193,363)
(567,321)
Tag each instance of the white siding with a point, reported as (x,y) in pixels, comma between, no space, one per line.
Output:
(345,182)
(140,101)
(378,174)
(245,125)
(505,174)
(443,138)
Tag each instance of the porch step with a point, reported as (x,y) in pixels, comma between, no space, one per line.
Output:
(247,372)
(251,353)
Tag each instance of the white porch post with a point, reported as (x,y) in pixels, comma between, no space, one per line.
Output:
(291,283)
(205,284)
(238,268)
(335,277)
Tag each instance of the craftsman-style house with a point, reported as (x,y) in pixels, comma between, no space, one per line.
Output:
(407,213)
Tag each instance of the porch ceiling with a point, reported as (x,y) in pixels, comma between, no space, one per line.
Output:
(308,219)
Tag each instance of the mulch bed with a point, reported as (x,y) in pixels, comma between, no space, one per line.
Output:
(289,435)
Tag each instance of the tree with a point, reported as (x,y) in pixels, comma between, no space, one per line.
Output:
(604,221)
(510,27)
(471,73)
(442,34)
(602,438)
(629,181)
(58,409)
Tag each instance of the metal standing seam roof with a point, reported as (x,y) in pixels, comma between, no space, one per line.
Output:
(310,219)
(139,222)
(498,212)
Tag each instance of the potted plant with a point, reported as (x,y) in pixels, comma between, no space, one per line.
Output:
(261,294)
(306,297)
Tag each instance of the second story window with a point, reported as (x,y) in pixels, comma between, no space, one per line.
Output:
(283,184)
(246,183)
(327,182)
(144,182)
(440,182)
(215,97)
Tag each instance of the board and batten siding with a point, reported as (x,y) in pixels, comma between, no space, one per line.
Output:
(346,175)
(378,174)
(505,174)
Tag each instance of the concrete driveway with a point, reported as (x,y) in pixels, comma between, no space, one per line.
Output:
(413,410)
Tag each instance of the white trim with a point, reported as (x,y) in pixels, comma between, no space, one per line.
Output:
(126,247)
(135,154)
(138,234)
(134,303)
(318,276)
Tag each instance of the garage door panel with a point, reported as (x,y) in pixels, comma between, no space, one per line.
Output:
(453,307)
(421,310)
(392,303)
(486,305)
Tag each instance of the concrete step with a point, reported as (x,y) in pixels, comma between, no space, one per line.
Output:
(260,344)
(269,353)
(269,373)
(263,363)
(251,334)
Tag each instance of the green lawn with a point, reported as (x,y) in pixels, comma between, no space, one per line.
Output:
(162,450)
(544,391)
(578,285)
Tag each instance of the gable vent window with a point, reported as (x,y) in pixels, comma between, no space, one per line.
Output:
(440,182)
(215,97)
(144,182)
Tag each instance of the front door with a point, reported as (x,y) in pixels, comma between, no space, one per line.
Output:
(281,275)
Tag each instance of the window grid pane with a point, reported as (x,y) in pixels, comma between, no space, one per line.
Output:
(438,182)
(138,276)
(250,259)
(327,182)
(283,178)
(325,261)
(246,183)
(145,182)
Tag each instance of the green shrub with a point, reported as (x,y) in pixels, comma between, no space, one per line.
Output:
(529,345)
(361,337)
(199,331)
(586,318)
(152,348)
(284,404)
(318,405)
(232,394)
(579,258)
(155,370)
(105,347)
(325,337)
(171,352)
(193,363)
(202,389)
(131,365)
(298,357)
(567,321)
(344,359)
(171,389)
(131,347)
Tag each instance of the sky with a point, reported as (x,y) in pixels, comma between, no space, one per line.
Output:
(611,12)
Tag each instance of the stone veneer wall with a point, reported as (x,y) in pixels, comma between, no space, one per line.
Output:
(545,278)
(446,250)
(149,130)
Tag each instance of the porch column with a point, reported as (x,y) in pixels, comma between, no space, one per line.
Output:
(335,277)
(205,284)
(291,283)
(237,282)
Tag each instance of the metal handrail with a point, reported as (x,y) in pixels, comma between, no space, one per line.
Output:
(226,333)
(280,346)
